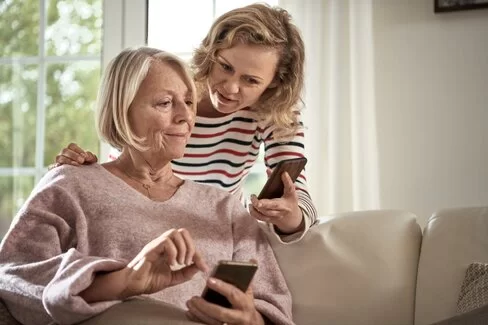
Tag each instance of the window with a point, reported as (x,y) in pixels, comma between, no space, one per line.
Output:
(50,63)
(175,28)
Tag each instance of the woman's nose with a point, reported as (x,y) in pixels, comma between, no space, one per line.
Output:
(183,112)
(231,86)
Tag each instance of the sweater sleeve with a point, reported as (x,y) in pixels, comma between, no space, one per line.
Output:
(272,297)
(43,260)
(278,150)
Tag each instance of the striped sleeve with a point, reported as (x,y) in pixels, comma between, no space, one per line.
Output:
(276,151)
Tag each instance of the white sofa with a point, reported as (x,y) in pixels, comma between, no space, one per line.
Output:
(375,267)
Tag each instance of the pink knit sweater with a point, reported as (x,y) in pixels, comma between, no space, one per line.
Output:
(79,221)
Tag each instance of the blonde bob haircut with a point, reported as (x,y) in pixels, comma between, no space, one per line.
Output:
(120,83)
(261,24)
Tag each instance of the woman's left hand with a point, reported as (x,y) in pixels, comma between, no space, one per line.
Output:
(283,212)
(243,311)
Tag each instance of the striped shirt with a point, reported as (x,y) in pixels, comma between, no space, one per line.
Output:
(222,150)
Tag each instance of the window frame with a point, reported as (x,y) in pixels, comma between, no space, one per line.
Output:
(119,32)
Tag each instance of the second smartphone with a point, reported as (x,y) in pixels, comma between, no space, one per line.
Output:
(274,185)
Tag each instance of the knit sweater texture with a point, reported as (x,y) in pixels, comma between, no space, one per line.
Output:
(82,220)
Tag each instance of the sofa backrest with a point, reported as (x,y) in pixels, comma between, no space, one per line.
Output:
(453,239)
(354,268)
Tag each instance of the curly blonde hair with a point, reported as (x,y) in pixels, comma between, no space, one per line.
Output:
(261,24)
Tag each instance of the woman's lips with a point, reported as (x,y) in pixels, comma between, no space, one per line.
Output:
(224,100)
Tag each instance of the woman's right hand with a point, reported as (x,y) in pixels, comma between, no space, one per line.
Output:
(152,269)
(74,155)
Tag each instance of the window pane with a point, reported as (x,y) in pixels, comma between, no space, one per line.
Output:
(19,23)
(74,27)
(18,91)
(70,99)
(13,192)
(254,183)
(178,26)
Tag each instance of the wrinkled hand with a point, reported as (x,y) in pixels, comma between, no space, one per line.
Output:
(74,155)
(283,212)
(150,271)
(243,311)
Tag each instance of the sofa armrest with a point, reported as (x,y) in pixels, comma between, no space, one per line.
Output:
(453,239)
(354,268)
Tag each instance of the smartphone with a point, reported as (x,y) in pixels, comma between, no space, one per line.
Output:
(239,274)
(274,186)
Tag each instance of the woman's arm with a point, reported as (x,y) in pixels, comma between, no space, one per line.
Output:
(296,208)
(40,247)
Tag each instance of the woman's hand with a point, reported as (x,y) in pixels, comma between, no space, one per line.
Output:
(243,311)
(283,212)
(151,270)
(74,155)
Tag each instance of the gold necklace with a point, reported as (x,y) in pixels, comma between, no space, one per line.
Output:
(144,185)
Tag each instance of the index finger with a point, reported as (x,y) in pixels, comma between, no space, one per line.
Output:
(200,262)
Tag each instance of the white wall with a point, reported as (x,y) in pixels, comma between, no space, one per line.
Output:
(431,89)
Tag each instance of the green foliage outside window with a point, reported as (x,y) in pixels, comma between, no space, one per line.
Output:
(67,74)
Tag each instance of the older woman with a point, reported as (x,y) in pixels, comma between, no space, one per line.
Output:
(91,237)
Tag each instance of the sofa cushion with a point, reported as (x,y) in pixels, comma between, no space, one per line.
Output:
(354,268)
(474,290)
(453,239)
(141,311)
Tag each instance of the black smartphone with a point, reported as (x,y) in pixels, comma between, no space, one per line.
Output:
(239,274)
(274,186)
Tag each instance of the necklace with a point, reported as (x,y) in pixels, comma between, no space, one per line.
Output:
(146,186)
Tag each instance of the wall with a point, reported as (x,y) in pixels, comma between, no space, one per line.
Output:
(431,89)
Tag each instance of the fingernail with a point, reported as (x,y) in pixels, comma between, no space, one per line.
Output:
(212,280)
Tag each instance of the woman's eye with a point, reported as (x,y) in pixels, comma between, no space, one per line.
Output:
(189,102)
(165,103)
(252,81)
(226,67)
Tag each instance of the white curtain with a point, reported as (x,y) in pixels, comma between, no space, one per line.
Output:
(339,103)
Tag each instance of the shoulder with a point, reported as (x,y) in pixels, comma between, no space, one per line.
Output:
(70,176)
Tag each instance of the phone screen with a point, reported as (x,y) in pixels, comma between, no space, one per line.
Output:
(274,185)
(239,274)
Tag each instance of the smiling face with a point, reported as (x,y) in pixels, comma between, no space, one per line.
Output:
(240,75)
(162,111)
